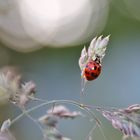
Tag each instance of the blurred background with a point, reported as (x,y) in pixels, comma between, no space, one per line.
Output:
(44,40)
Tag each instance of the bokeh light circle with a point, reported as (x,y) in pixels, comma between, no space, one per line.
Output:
(27,25)
(63,23)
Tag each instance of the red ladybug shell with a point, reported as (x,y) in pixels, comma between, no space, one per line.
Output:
(92,70)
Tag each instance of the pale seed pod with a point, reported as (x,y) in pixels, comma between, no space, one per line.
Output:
(97,47)
(5,133)
(83,58)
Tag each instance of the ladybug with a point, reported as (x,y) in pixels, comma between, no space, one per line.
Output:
(92,69)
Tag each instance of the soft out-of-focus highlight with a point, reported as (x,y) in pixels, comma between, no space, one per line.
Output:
(27,25)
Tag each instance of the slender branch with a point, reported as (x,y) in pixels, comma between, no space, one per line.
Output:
(34,120)
(79,105)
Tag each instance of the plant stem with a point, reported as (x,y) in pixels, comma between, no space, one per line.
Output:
(81,106)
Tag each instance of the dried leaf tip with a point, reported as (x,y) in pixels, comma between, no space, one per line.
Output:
(57,112)
(9,85)
(63,112)
(54,134)
(132,108)
(5,133)
(126,120)
(5,126)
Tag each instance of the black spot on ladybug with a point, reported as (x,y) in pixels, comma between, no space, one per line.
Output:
(99,69)
(95,68)
(86,72)
(94,75)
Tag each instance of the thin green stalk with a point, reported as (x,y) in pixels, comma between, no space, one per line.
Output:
(81,106)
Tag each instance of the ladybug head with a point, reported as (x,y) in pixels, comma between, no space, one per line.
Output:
(97,59)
